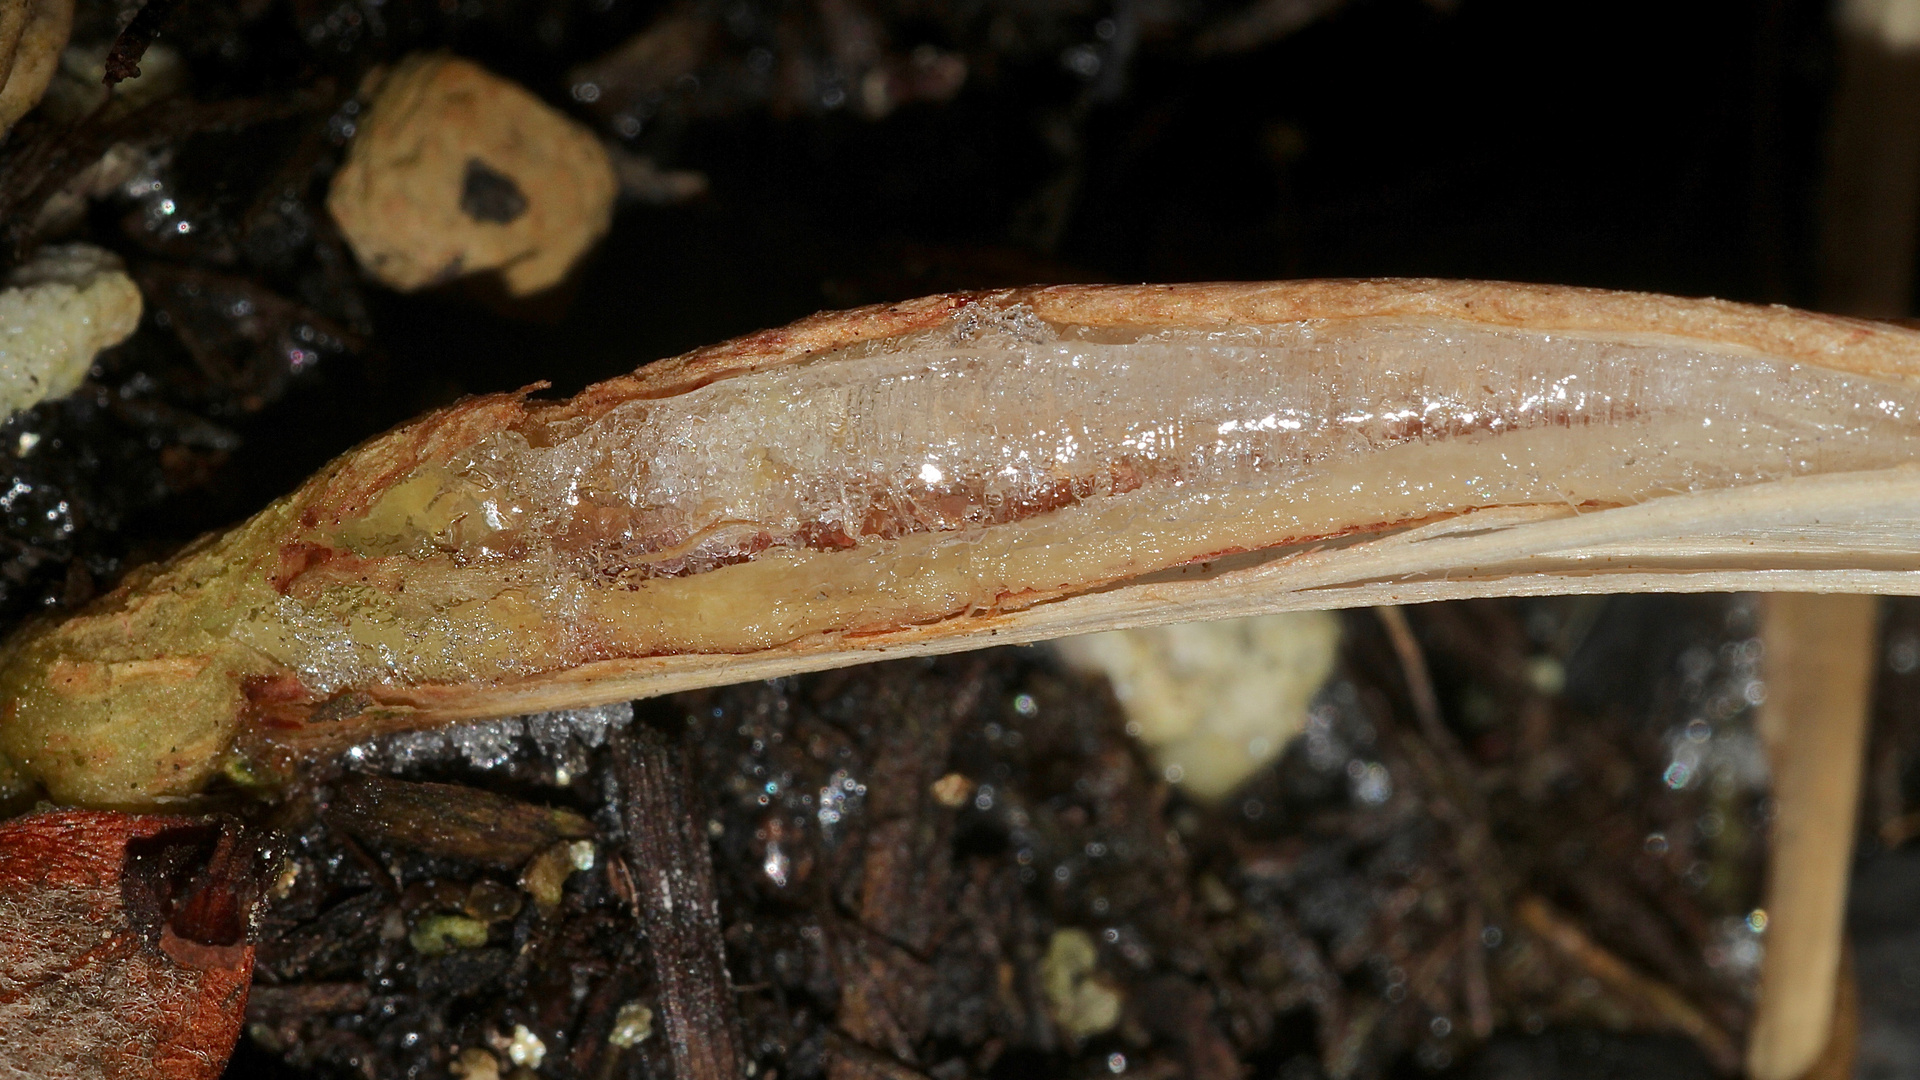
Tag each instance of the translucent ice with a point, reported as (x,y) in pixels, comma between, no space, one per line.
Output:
(934,435)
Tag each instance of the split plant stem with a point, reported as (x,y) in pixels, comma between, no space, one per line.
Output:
(979,469)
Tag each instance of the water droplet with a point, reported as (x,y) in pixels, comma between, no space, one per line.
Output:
(776,865)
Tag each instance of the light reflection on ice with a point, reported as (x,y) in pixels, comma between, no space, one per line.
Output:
(839,797)
(564,739)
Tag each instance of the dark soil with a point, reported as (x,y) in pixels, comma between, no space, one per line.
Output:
(896,848)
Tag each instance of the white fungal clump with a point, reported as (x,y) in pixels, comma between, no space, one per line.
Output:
(58,311)
(1213,702)
(525,1048)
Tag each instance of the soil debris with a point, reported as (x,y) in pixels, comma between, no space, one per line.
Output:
(123,59)
(1074,911)
(1353,908)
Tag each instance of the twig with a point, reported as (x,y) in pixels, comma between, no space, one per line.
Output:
(1454,794)
(1654,997)
(676,903)
(123,58)
(1473,972)
(1262,24)
(1426,702)
(1819,659)
(1457,801)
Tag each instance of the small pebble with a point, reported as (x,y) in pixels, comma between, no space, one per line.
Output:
(491,902)
(437,934)
(1081,1001)
(952,791)
(545,876)
(457,171)
(632,1025)
(475,1063)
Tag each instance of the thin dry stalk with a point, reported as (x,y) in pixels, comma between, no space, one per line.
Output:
(1837,1058)
(1819,679)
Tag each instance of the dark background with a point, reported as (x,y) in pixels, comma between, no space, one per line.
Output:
(1664,146)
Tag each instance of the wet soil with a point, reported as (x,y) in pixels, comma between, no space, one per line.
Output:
(900,850)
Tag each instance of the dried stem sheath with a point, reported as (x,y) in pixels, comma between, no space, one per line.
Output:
(981,469)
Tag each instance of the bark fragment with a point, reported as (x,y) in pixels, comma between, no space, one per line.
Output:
(678,909)
(96,981)
(452,820)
